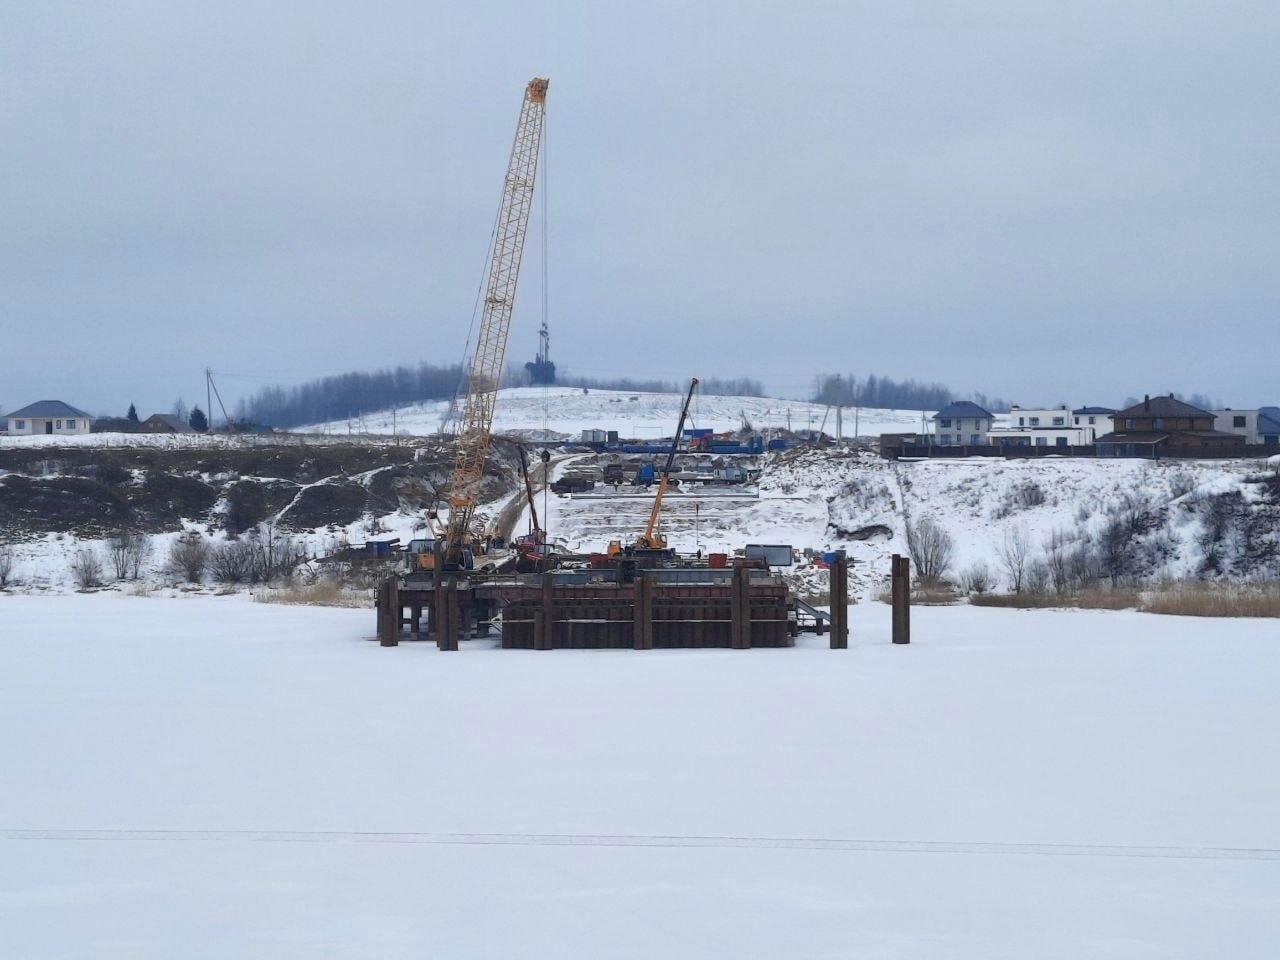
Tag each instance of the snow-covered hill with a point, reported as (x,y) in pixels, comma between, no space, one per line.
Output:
(566,412)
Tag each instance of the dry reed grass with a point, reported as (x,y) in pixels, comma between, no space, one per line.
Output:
(323,594)
(1190,598)
(1196,599)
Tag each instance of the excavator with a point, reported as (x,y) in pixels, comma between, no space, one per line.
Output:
(651,539)
(532,546)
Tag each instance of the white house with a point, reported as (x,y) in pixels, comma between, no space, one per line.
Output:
(51,417)
(1052,426)
(961,423)
(1256,426)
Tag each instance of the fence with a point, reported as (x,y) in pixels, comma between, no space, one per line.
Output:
(1009,452)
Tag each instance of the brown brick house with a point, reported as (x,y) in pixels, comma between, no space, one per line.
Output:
(1164,426)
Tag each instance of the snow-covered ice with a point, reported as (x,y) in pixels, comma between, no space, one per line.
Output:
(213,778)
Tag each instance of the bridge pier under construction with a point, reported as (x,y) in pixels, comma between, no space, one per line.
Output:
(643,609)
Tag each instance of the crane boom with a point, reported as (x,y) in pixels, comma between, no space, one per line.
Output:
(650,538)
(485,370)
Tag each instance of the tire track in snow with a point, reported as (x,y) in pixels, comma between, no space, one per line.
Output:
(630,840)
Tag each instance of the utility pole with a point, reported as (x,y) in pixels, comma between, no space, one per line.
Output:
(208,398)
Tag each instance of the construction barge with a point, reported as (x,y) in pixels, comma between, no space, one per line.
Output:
(623,607)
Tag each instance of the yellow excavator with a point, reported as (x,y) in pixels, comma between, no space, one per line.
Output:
(651,539)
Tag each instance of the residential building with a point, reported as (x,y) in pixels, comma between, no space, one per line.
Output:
(52,417)
(1166,426)
(1092,421)
(1051,426)
(962,423)
(166,423)
(1258,427)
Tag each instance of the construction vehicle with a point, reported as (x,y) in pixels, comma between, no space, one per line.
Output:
(486,365)
(651,540)
(531,548)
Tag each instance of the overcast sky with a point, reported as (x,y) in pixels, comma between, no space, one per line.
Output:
(1046,201)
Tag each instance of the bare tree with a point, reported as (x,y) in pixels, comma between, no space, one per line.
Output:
(931,549)
(189,557)
(1013,552)
(127,550)
(7,559)
(274,554)
(86,568)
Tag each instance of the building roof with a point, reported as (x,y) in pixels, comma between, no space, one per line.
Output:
(1269,419)
(1132,437)
(170,420)
(44,409)
(1093,411)
(1161,407)
(962,408)
(1136,436)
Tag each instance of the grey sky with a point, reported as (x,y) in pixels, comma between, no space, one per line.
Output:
(1072,202)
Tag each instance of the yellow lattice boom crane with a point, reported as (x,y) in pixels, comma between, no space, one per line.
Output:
(486,366)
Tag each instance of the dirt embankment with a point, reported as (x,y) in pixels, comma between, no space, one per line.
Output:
(97,491)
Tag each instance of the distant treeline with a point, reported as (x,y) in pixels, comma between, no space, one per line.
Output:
(352,394)
(846,390)
(349,395)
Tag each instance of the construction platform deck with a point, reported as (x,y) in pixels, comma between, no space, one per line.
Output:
(609,608)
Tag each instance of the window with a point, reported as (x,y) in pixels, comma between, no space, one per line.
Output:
(1077,421)
(1061,441)
(71,424)
(1022,421)
(57,425)
(19,424)
(1042,441)
(1128,424)
(1091,420)
(1059,421)
(946,422)
(944,440)
(1035,421)
(1237,421)
(1157,423)
(974,439)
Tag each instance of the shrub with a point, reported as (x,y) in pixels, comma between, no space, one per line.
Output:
(7,560)
(976,579)
(127,551)
(86,568)
(189,557)
(232,562)
(1180,484)
(1038,577)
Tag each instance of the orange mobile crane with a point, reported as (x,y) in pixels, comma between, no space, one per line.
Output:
(485,369)
(651,539)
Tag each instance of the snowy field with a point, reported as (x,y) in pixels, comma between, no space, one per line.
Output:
(566,411)
(217,778)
